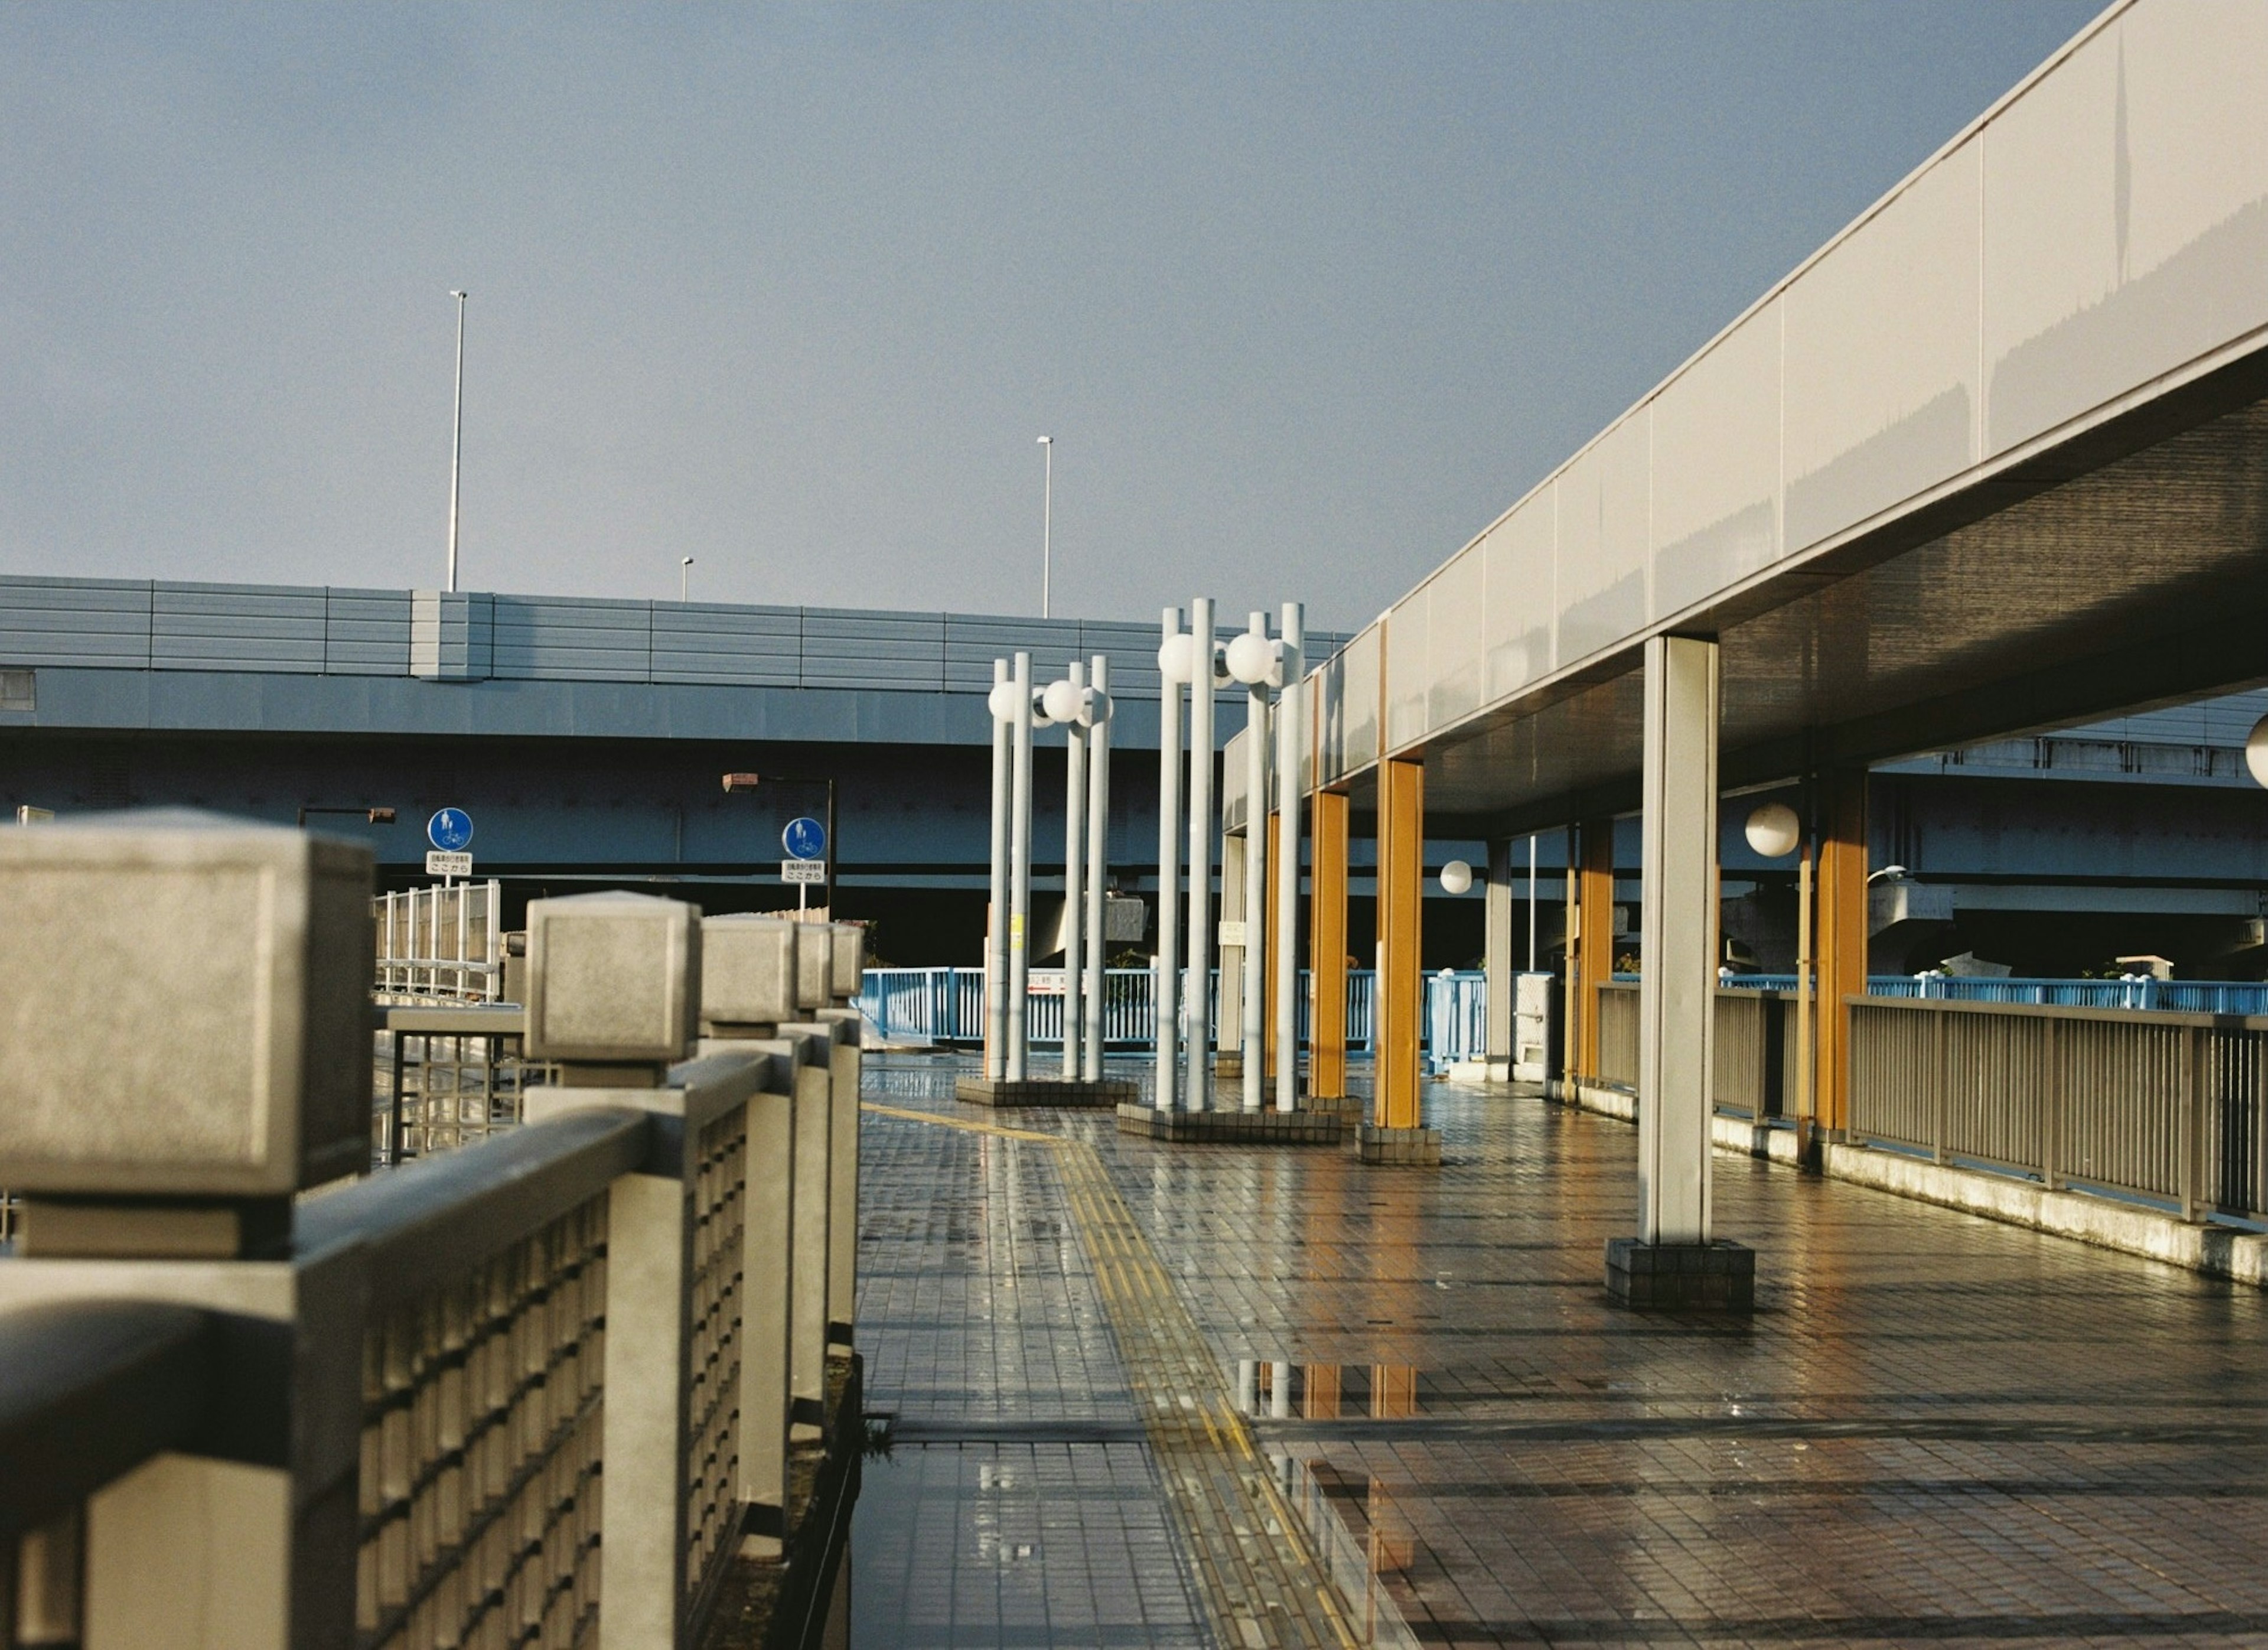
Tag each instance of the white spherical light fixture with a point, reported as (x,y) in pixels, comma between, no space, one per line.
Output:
(1177,656)
(1060,700)
(2256,751)
(1002,701)
(1250,658)
(1773,830)
(1457,877)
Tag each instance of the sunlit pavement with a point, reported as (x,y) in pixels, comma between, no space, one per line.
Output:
(1936,1428)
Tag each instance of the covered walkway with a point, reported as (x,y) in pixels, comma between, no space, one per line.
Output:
(1935,1428)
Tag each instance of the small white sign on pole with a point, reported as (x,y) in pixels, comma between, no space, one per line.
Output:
(810,872)
(438,864)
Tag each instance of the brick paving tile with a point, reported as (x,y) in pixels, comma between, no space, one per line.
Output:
(1936,1429)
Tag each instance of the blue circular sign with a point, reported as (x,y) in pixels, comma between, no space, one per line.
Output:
(451,830)
(804,839)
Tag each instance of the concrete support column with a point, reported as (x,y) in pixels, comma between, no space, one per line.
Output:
(1167,988)
(1254,907)
(1395,1134)
(1673,1262)
(996,908)
(1074,918)
(1199,1052)
(1271,923)
(1594,945)
(1326,942)
(1842,937)
(1498,959)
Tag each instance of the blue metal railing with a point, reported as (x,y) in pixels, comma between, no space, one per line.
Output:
(2184,997)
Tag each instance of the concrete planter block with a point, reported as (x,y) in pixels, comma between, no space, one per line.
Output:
(184,1007)
(747,971)
(815,965)
(612,978)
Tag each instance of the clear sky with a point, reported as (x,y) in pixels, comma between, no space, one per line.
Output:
(1307,294)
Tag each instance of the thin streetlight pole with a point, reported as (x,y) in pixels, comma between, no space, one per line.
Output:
(456,441)
(684,578)
(1047,525)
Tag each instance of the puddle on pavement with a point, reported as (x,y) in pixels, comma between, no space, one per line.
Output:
(1268,1389)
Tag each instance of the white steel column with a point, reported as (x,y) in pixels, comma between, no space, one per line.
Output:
(1020,871)
(1678,884)
(1074,917)
(1255,875)
(1167,995)
(1199,1051)
(1291,745)
(996,913)
(1098,864)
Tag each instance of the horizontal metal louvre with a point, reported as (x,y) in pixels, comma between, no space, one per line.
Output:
(236,627)
(574,639)
(716,646)
(75,621)
(366,633)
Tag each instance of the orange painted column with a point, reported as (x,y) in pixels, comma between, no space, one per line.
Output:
(1842,943)
(1326,949)
(1401,988)
(1595,935)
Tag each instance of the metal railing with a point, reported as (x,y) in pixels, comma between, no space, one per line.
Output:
(946,1006)
(2155,1105)
(444,943)
(2130,991)
(449,1075)
(1749,1043)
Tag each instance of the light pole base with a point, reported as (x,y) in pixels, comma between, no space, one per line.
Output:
(1044,1090)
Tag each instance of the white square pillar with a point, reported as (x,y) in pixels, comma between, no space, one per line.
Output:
(1678,973)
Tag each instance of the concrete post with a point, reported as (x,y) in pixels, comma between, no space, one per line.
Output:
(1167,997)
(1199,1052)
(996,909)
(1074,917)
(1020,871)
(1496,953)
(1098,866)
(1291,745)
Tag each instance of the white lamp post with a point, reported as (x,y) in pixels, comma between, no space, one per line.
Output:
(1063,701)
(1774,831)
(1047,523)
(684,577)
(1096,713)
(1251,658)
(1174,653)
(457,439)
(1291,742)
(1002,704)
(1019,868)
(1203,661)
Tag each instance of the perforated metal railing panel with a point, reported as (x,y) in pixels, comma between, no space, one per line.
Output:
(712,1441)
(480,1446)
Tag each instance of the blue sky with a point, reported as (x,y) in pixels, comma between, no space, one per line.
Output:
(1306,294)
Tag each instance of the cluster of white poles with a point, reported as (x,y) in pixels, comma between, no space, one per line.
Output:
(1193,665)
(1080,702)
(1271,669)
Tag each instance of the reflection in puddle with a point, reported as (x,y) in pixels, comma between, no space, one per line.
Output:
(1362,1536)
(1281,1391)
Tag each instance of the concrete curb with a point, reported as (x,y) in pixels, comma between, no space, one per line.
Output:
(2217,1251)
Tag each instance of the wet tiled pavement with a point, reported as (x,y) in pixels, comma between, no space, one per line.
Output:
(1936,1429)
